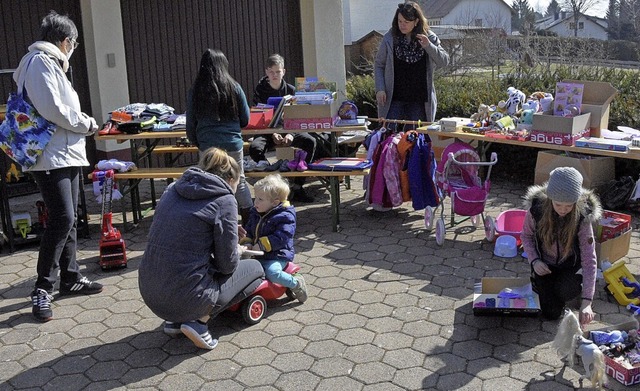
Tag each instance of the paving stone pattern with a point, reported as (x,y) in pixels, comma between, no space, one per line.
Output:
(388,309)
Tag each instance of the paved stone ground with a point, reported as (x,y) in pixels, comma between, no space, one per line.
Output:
(388,310)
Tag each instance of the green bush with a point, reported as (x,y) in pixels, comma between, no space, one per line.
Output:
(460,95)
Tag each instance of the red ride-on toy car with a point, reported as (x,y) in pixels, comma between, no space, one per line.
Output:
(255,306)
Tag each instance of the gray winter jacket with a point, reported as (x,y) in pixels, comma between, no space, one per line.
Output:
(192,243)
(384,72)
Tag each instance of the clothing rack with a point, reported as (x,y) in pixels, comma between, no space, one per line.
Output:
(399,121)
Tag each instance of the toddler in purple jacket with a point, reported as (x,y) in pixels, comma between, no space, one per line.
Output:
(270,228)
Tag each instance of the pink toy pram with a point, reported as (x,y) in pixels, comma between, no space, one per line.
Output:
(457,177)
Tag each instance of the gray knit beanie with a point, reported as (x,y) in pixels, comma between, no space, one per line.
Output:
(565,185)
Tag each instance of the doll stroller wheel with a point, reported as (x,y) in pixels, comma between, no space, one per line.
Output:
(253,309)
(440,232)
(489,228)
(429,214)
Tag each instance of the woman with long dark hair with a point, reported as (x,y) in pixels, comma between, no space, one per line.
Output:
(404,65)
(217,110)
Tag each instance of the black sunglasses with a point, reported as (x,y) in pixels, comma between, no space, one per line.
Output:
(407,9)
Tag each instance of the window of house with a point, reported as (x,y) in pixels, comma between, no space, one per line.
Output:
(581,25)
(477,22)
(572,26)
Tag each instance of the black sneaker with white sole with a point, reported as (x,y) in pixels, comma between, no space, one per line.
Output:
(41,305)
(81,287)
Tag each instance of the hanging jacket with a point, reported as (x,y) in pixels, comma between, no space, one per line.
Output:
(391,170)
(379,194)
(405,145)
(422,168)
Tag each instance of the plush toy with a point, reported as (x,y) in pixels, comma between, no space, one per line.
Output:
(546,102)
(495,116)
(531,104)
(482,114)
(515,101)
(527,116)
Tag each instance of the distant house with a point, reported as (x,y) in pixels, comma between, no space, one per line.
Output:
(365,22)
(562,24)
(492,14)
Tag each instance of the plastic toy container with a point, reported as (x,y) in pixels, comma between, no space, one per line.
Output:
(506,247)
(510,222)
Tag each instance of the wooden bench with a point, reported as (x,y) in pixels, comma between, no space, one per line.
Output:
(329,179)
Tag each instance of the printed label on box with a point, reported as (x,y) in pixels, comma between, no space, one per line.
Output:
(557,138)
(308,123)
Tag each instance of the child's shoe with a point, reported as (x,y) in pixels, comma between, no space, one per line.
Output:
(284,166)
(300,290)
(172,328)
(248,164)
(293,163)
(198,333)
(302,164)
(262,165)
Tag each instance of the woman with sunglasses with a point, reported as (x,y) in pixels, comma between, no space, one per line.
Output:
(42,79)
(404,65)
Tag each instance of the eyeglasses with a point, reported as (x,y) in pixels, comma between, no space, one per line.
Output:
(73,42)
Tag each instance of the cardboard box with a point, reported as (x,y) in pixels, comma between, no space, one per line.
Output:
(611,225)
(613,249)
(596,171)
(311,111)
(596,98)
(285,153)
(490,287)
(555,123)
(621,371)
(453,124)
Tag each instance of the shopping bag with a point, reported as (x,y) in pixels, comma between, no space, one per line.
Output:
(24,133)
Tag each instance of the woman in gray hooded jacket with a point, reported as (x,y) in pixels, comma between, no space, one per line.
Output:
(191,268)
(404,65)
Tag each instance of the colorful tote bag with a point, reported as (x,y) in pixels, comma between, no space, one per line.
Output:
(24,133)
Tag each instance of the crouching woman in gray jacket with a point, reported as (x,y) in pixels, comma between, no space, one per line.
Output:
(191,268)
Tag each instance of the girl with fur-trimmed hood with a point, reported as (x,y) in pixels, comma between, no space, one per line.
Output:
(559,241)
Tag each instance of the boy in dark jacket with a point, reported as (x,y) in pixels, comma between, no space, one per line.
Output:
(270,228)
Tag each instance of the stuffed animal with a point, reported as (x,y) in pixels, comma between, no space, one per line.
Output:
(495,116)
(515,100)
(546,102)
(531,104)
(482,114)
(527,116)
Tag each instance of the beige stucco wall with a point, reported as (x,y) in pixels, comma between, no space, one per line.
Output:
(103,36)
(323,41)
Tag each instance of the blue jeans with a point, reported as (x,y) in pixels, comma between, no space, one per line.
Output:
(274,271)
(59,189)
(411,111)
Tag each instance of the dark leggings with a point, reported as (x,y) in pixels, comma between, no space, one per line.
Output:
(59,189)
(555,289)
